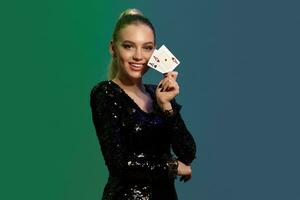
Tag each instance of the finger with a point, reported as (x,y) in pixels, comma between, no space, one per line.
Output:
(172,74)
(166,78)
(172,86)
(159,85)
(163,84)
(187,178)
(167,83)
(181,178)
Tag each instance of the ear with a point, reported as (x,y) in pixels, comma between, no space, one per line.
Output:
(112,49)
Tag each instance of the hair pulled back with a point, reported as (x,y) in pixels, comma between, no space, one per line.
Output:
(129,16)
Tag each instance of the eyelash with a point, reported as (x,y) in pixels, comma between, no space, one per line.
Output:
(128,46)
(149,48)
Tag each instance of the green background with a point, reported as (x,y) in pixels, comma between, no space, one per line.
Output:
(239,79)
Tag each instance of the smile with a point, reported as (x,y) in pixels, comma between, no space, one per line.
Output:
(136,66)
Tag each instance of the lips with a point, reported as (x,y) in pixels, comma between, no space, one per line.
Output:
(136,66)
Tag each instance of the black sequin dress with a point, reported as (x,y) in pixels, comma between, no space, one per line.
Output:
(136,145)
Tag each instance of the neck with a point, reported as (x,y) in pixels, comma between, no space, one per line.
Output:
(132,85)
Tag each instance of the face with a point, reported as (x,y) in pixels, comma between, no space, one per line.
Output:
(132,50)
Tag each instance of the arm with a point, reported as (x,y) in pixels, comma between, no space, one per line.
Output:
(107,120)
(182,141)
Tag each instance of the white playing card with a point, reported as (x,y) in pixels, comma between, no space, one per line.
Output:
(154,62)
(168,61)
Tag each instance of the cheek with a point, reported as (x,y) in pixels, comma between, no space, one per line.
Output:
(121,57)
(125,55)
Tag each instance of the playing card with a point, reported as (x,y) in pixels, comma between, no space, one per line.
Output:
(168,62)
(154,62)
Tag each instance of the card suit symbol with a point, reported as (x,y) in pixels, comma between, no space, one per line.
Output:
(174,60)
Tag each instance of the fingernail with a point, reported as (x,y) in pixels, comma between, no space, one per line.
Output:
(161,89)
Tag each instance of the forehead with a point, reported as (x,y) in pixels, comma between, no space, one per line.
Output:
(137,33)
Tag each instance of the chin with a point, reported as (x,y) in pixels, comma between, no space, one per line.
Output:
(136,74)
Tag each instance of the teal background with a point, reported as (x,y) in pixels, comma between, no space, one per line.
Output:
(239,79)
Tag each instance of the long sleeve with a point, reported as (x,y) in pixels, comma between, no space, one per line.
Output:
(183,143)
(107,113)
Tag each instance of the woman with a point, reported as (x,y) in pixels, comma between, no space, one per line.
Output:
(138,124)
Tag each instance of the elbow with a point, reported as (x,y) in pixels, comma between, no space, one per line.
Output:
(189,155)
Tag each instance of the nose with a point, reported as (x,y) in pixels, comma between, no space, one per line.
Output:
(138,55)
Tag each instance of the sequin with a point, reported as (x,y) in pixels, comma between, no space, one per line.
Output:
(136,145)
(137,127)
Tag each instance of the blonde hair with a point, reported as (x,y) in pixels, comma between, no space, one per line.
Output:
(131,11)
(129,16)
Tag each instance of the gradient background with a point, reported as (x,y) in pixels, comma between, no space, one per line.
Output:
(239,79)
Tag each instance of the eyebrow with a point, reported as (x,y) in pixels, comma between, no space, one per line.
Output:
(128,41)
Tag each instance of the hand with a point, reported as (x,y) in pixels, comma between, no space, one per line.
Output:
(185,171)
(167,88)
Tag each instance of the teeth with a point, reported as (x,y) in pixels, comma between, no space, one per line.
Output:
(137,65)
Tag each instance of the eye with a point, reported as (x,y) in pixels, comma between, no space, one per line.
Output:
(148,48)
(127,46)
